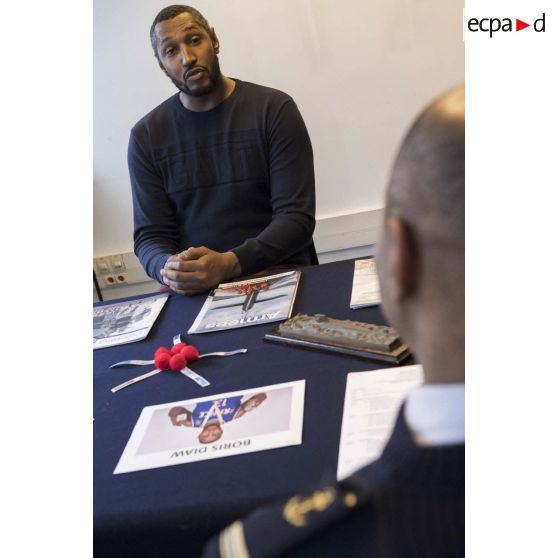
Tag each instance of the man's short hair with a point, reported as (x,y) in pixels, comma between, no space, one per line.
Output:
(171,12)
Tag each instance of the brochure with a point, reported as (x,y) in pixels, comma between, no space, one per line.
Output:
(125,322)
(250,302)
(218,426)
(366,287)
(372,401)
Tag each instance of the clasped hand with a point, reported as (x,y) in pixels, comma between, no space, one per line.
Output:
(199,269)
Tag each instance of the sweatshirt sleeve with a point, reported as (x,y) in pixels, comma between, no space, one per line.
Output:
(292,190)
(156,235)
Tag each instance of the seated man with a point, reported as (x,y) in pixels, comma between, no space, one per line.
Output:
(222,172)
(410,502)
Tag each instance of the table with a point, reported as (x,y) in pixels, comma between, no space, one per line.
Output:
(171,511)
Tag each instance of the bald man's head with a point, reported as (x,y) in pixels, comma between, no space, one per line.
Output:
(427,187)
(421,256)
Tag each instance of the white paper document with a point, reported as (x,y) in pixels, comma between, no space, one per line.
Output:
(221,425)
(372,401)
(366,286)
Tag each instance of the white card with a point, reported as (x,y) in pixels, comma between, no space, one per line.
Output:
(372,401)
(159,440)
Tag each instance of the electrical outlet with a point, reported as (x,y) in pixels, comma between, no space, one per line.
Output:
(109,280)
(121,278)
(124,269)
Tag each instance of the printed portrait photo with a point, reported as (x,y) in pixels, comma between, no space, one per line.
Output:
(217,426)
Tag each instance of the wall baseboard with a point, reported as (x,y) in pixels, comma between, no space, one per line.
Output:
(352,230)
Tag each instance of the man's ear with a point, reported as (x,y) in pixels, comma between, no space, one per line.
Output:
(402,258)
(214,40)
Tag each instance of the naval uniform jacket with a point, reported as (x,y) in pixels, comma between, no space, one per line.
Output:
(407,504)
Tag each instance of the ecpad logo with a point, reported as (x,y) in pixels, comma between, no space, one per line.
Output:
(493,25)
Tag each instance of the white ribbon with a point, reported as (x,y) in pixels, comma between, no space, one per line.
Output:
(143,362)
(135,362)
(200,380)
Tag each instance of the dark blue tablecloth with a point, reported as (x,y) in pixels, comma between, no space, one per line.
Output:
(171,511)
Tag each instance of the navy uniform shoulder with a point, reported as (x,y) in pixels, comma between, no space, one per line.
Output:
(280,528)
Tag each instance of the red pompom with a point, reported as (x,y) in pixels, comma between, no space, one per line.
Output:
(177,362)
(177,348)
(162,360)
(162,350)
(190,353)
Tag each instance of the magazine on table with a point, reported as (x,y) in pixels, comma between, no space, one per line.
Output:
(222,425)
(366,286)
(125,322)
(249,302)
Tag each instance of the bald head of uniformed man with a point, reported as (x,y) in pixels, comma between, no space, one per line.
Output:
(421,255)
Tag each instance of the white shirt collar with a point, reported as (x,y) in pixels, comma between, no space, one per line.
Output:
(435,414)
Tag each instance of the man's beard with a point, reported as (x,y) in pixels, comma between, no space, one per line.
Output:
(213,75)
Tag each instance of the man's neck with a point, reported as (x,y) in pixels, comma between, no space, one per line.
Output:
(435,331)
(442,356)
(224,87)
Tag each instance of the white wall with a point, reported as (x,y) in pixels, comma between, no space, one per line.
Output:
(359,71)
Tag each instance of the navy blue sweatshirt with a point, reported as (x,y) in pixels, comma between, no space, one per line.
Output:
(238,177)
